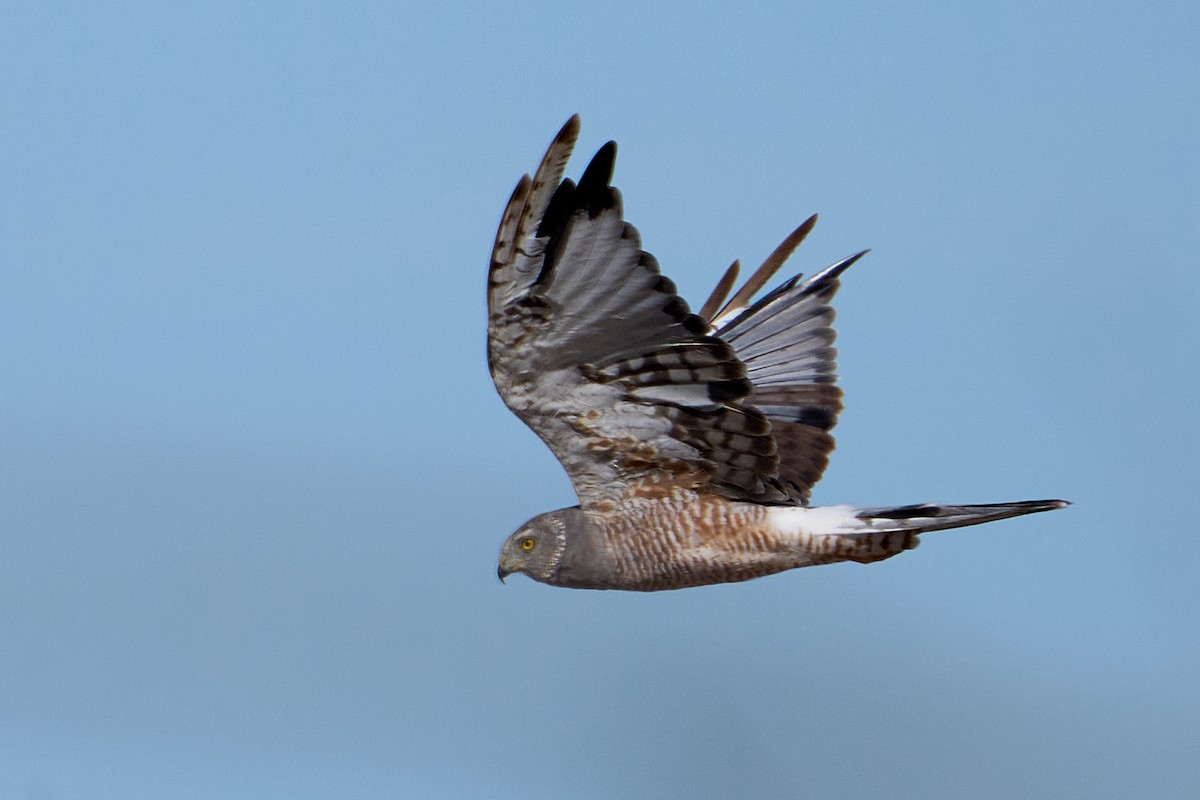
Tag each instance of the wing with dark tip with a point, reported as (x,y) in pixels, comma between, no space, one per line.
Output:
(591,346)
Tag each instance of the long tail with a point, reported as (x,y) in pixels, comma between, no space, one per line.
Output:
(931,517)
(849,533)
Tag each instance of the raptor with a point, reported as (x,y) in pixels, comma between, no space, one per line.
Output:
(693,440)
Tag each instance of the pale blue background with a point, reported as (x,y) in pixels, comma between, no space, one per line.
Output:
(253,473)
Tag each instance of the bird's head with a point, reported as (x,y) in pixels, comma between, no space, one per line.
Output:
(536,548)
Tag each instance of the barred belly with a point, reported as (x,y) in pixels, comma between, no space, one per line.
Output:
(686,539)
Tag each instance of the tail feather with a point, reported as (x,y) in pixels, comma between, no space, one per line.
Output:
(932,517)
(848,533)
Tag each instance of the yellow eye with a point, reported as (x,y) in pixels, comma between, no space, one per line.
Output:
(528,543)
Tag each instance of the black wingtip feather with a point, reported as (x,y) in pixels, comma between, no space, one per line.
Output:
(834,271)
(594,193)
(557,210)
(554,223)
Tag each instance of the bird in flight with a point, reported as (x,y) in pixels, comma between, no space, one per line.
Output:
(693,440)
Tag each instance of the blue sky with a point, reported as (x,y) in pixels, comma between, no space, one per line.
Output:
(254,475)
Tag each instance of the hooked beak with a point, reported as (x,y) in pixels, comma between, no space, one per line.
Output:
(502,573)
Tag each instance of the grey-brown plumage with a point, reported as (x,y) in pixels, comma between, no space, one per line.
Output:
(692,440)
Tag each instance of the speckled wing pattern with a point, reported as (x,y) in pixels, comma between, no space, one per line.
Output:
(591,346)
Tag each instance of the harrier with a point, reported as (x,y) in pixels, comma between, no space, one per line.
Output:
(693,440)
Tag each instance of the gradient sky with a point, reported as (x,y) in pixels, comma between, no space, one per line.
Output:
(254,475)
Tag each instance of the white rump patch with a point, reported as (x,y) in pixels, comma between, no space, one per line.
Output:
(816,521)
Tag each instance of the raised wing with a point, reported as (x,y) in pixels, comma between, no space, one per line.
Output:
(786,342)
(591,346)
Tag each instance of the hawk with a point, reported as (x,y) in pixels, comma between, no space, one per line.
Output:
(693,440)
